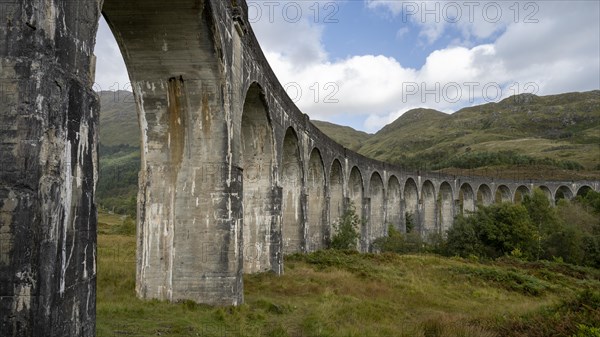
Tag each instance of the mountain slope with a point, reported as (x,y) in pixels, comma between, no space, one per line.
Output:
(118,119)
(561,128)
(350,138)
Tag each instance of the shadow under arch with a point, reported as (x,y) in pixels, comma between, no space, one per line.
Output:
(315,189)
(291,177)
(257,161)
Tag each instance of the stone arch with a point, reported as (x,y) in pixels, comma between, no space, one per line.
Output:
(446,206)
(394,211)
(356,196)
(547,193)
(484,195)
(336,193)
(376,211)
(503,194)
(411,205)
(520,194)
(428,202)
(257,161)
(563,192)
(291,184)
(184,169)
(583,190)
(315,190)
(466,198)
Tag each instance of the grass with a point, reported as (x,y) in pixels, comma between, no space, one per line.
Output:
(332,293)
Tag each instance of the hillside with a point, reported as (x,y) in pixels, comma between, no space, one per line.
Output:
(350,138)
(118,119)
(559,130)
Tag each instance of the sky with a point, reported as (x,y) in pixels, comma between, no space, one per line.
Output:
(363,63)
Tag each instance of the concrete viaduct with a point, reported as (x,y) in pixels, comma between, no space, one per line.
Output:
(233,175)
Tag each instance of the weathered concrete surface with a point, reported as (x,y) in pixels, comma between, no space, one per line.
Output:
(233,174)
(48,167)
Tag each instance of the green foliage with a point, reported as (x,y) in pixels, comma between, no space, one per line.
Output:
(587,331)
(118,178)
(591,200)
(502,228)
(409,220)
(506,157)
(531,231)
(507,279)
(346,230)
(126,228)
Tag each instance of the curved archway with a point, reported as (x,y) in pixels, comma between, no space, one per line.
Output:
(467,199)
(484,195)
(315,202)
(503,194)
(520,194)
(584,190)
(356,196)
(563,192)
(256,138)
(446,207)
(411,206)
(376,215)
(291,182)
(394,212)
(336,194)
(547,193)
(428,200)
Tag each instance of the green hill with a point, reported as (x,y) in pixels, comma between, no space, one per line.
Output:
(559,130)
(345,135)
(118,119)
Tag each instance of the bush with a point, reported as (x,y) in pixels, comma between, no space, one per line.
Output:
(346,230)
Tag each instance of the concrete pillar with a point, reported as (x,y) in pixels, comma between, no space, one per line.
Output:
(48,168)
(190,199)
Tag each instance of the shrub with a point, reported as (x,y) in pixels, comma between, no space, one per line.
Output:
(346,230)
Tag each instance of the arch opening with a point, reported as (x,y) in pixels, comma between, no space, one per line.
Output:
(257,164)
(484,195)
(356,196)
(411,206)
(503,194)
(376,215)
(547,193)
(291,184)
(584,190)
(428,201)
(336,194)
(315,203)
(466,199)
(520,194)
(393,204)
(563,192)
(446,207)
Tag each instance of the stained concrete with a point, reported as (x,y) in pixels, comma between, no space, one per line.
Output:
(232,175)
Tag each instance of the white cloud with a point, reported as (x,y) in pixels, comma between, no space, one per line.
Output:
(559,53)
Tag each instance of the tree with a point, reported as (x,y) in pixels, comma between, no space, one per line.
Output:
(346,230)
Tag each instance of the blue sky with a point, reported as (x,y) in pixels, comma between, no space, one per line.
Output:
(363,63)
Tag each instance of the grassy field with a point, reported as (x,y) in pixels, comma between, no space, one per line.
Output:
(334,293)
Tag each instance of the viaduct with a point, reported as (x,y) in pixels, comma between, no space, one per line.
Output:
(233,175)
